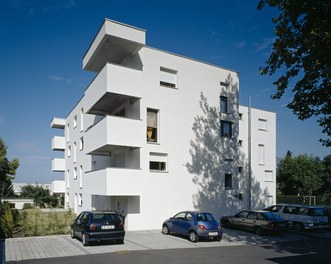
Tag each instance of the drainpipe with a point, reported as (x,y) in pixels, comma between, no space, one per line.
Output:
(249,155)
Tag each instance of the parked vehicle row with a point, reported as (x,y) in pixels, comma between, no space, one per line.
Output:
(92,226)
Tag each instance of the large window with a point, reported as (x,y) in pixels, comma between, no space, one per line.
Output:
(168,78)
(152,125)
(228,181)
(224,104)
(226,129)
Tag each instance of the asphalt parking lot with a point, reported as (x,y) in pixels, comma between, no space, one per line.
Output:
(62,245)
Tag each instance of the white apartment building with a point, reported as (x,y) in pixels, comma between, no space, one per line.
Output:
(156,133)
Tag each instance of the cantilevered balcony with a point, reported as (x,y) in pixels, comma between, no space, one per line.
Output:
(58,165)
(58,143)
(113,86)
(58,123)
(114,181)
(113,131)
(113,43)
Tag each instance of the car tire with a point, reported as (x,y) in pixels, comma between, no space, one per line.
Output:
(165,230)
(258,230)
(193,237)
(218,239)
(85,241)
(298,226)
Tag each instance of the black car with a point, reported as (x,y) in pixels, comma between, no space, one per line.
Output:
(258,221)
(98,226)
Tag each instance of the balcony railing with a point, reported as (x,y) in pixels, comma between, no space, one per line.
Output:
(114,181)
(58,143)
(58,165)
(113,86)
(114,131)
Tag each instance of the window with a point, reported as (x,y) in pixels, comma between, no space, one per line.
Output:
(240,169)
(68,132)
(81,143)
(262,124)
(226,129)
(75,173)
(268,175)
(241,116)
(228,181)
(152,124)
(75,150)
(158,161)
(261,154)
(240,143)
(82,119)
(80,176)
(168,78)
(80,199)
(69,151)
(75,121)
(225,84)
(67,178)
(224,104)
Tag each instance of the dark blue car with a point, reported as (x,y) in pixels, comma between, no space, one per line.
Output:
(193,224)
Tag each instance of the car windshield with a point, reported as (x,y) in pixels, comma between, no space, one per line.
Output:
(101,217)
(271,216)
(205,217)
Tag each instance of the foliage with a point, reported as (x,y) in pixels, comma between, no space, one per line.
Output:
(326,188)
(302,175)
(302,48)
(37,223)
(7,172)
(41,195)
(8,219)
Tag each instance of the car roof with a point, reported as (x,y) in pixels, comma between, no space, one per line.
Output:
(99,212)
(301,205)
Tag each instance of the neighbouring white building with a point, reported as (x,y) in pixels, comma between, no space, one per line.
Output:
(156,133)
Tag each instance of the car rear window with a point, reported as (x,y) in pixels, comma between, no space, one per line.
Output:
(205,217)
(100,217)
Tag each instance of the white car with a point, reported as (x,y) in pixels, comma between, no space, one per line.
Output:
(302,217)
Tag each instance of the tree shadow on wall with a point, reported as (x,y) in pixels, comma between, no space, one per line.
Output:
(213,156)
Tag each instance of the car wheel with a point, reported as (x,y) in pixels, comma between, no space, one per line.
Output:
(218,239)
(193,237)
(298,227)
(258,230)
(85,241)
(165,230)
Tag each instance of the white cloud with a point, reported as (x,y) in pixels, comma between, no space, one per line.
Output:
(240,45)
(56,78)
(263,46)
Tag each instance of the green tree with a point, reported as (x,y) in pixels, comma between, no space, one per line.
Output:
(7,171)
(40,195)
(301,52)
(326,188)
(301,175)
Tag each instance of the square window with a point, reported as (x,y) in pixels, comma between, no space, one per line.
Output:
(226,129)
(262,124)
(158,161)
(168,77)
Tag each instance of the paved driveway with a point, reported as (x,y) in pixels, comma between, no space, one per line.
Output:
(60,246)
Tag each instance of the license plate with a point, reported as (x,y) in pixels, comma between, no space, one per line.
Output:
(213,233)
(107,227)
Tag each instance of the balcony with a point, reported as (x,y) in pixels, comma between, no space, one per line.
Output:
(114,181)
(113,43)
(113,86)
(58,123)
(112,132)
(58,143)
(58,165)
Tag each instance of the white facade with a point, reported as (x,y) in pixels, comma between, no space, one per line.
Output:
(156,133)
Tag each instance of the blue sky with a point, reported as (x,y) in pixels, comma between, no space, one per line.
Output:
(42,43)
